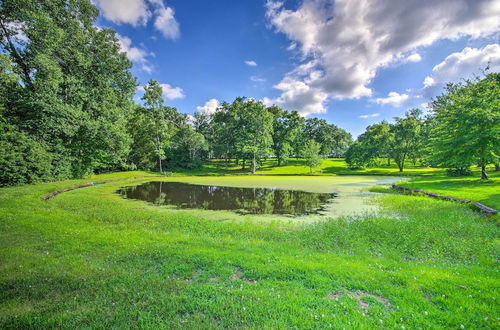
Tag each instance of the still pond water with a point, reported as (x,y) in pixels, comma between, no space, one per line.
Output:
(293,196)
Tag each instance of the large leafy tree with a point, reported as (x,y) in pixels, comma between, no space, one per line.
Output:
(225,131)
(243,129)
(407,132)
(256,126)
(150,126)
(466,124)
(287,127)
(312,154)
(333,140)
(73,88)
(202,124)
(187,147)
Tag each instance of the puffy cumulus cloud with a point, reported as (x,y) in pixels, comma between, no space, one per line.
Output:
(135,12)
(172,93)
(343,43)
(461,65)
(298,95)
(394,98)
(209,107)
(251,63)
(371,115)
(139,12)
(165,21)
(135,54)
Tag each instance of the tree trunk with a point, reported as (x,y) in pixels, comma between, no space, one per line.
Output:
(254,163)
(497,167)
(484,175)
(388,160)
(244,164)
(401,163)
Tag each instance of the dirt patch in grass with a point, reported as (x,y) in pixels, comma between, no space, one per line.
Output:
(238,275)
(359,296)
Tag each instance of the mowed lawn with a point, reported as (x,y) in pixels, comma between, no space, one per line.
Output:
(89,258)
(297,166)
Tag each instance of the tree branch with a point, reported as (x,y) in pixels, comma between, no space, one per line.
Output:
(19,60)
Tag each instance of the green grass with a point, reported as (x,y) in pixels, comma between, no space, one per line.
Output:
(88,258)
(473,188)
(330,166)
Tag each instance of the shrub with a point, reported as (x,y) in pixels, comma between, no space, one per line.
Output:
(458,172)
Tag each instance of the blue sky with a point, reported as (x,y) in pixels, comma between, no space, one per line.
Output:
(352,63)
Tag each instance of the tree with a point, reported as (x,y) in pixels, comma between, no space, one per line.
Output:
(357,156)
(72,91)
(332,139)
(255,125)
(186,148)
(407,136)
(466,124)
(153,102)
(243,129)
(287,127)
(202,123)
(312,154)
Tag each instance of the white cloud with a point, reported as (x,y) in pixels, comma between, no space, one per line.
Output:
(135,12)
(166,23)
(394,98)
(135,54)
(297,95)
(371,115)
(257,79)
(346,42)
(172,93)
(168,91)
(209,108)
(415,57)
(461,65)
(139,12)
(251,63)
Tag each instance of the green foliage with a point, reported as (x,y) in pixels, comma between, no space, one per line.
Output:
(407,137)
(357,156)
(458,172)
(287,128)
(67,84)
(187,148)
(466,124)
(334,141)
(22,160)
(243,129)
(402,140)
(155,121)
(312,154)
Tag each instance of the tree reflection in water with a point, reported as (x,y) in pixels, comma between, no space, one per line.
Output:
(241,200)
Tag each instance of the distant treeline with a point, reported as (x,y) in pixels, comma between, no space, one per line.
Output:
(67,109)
(461,130)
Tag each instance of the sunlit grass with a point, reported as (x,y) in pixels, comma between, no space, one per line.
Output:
(89,258)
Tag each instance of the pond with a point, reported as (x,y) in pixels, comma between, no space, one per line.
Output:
(285,196)
(241,200)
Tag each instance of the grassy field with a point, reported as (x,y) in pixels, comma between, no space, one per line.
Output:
(89,258)
(330,166)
